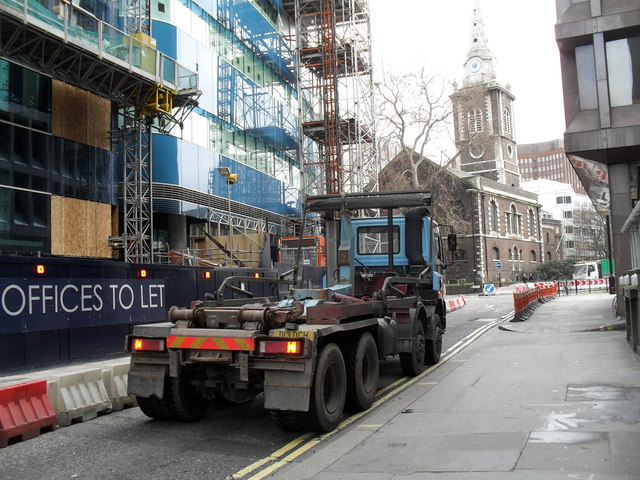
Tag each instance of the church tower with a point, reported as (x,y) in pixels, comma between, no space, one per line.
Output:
(483,114)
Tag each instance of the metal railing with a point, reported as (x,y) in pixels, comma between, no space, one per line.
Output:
(80,27)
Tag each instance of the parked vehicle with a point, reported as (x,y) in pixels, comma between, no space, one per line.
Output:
(311,351)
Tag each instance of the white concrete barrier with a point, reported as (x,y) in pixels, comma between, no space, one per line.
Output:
(115,378)
(78,396)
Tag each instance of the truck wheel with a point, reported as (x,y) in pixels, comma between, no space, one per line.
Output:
(286,419)
(412,363)
(182,400)
(328,392)
(152,407)
(362,373)
(434,347)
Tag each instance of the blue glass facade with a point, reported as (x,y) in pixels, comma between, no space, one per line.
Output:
(246,116)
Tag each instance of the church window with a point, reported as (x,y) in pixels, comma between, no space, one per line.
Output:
(493,216)
(532,256)
(475,120)
(506,121)
(532,224)
(495,253)
(513,221)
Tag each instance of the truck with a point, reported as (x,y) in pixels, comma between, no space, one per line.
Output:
(312,352)
(592,270)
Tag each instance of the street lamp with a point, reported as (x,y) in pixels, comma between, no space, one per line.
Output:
(231,178)
(473,192)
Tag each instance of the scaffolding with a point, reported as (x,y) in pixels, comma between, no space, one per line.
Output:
(335,83)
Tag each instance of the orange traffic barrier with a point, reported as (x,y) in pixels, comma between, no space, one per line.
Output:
(25,412)
(526,301)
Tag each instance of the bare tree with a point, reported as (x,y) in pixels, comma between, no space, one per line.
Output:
(414,114)
(590,234)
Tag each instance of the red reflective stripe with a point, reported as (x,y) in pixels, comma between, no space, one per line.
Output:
(211,343)
(231,343)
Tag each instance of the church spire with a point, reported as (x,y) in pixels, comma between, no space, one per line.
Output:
(480,64)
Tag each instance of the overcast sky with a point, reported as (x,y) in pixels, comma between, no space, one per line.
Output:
(408,34)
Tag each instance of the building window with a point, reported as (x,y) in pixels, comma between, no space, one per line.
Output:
(568,229)
(495,253)
(510,254)
(513,221)
(586,69)
(506,121)
(475,120)
(532,256)
(532,224)
(622,71)
(548,256)
(548,238)
(493,216)
(569,244)
(563,199)
(567,214)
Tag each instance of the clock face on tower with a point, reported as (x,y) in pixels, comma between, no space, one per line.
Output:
(474,64)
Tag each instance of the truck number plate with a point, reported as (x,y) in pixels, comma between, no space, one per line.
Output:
(310,334)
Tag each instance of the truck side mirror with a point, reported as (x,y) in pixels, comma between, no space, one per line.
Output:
(452,242)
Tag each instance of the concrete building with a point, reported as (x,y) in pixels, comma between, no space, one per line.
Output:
(599,43)
(64,176)
(547,160)
(175,127)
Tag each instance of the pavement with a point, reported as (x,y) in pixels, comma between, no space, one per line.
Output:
(554,397)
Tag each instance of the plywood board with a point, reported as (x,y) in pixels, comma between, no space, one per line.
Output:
(80,228)
(80,116)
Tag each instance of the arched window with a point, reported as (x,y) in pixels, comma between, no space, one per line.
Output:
(460,256)
(510,254)
(506,121)
(495,253)
(514,220)
(532,224)
(520,255)
(532,256)
(475,120)
(548,238)
(493,216)
(548,256)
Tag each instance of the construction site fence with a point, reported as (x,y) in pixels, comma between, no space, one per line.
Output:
(526,300)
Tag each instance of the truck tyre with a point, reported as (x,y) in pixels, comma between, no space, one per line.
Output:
(286,419)
(412,362)
(434,347)
(182,400)
(362,373)
(328,392)
(152,407)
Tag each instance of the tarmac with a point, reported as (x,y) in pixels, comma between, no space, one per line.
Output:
(554,397)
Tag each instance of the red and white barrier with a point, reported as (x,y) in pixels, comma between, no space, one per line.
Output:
(456,303)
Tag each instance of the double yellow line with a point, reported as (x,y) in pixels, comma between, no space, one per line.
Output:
(303,443)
